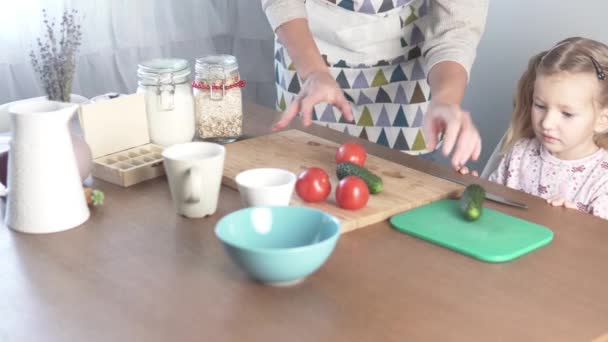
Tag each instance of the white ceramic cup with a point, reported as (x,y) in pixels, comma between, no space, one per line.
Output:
(194,171)
(265,187)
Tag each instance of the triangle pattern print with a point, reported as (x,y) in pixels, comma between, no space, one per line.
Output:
(414,53)
(383,120)
(281,103)
(387,5)
(419,143)
(418,118)
(418,95)
(348,97)
(314,115)
(417,72)
(382,96)
(379,79)
(366,118)
(401,2)
(400,96)
(360,81)
(400,119)
(411,18)
(363,99)
(291,67)
(401,142)
(325,60)
(382,139)
(347,4)
(363,134)
(343,120)
(423,9)
(398,75)
(417,36)
(276,73)
(342,81)
(277,55)
(367,7)
(282,53)
(294,85)
(328,114)
(341,64)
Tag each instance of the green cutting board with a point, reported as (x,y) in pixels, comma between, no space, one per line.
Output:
(495,237)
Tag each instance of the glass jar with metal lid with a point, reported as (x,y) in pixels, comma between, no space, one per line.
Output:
(169,100)
(218,98)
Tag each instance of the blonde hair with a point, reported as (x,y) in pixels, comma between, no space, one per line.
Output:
(574,55)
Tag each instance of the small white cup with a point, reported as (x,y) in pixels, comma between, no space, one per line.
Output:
(194,171)
(265,187)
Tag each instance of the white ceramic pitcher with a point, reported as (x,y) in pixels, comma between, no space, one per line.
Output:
(44,192)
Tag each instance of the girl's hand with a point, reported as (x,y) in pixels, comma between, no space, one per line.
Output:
(465,171)
(320,86)
(558,201)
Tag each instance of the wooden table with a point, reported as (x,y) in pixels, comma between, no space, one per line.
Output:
(138,272)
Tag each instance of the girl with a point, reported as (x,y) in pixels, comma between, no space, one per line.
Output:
(555,147)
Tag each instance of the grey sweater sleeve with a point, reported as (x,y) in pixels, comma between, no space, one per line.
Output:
(453,31)
(279,12)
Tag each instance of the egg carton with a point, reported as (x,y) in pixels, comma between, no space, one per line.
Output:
(131,166)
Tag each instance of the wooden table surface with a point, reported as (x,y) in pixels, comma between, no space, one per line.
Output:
(138,272)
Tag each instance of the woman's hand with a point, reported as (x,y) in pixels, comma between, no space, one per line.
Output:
(459,132)
(319,86)
(465,171)
(558,201)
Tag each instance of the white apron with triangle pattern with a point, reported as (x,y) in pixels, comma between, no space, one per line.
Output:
(373,49)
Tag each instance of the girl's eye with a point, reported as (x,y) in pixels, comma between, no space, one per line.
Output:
(539,106)
(568,115)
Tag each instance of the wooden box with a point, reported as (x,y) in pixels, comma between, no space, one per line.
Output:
(117,133)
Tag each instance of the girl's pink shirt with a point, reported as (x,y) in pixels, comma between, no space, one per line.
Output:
(529,167)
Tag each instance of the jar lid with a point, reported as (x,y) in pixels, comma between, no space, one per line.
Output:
(163,71)
(211,65)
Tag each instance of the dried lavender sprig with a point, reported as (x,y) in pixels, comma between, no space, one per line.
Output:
(55,62)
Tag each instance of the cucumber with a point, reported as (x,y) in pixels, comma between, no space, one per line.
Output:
(471,202)
(374,183)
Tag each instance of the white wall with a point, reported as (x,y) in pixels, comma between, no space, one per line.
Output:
(516,30)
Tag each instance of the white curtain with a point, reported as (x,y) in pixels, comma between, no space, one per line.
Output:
(119,34)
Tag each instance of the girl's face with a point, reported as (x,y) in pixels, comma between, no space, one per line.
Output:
(564,114)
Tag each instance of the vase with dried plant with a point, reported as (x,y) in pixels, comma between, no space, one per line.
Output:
(54,60)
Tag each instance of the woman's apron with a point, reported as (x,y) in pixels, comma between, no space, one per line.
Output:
(373,50)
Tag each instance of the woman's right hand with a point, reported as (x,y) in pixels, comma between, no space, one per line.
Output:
(465,171)
(318,87)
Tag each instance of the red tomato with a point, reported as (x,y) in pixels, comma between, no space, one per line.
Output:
(351,152)
(313,185)
(352,193)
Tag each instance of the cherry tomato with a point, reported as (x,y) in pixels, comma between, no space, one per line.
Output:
(351,152)
(313,185)
(352,193)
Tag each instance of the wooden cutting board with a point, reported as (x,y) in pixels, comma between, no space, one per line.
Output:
(404,188)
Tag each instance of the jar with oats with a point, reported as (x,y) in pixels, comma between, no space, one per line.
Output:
(218,98)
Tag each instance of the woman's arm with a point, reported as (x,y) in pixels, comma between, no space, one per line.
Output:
(452,32)
(318,84)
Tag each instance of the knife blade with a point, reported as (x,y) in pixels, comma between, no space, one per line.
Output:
(490,196)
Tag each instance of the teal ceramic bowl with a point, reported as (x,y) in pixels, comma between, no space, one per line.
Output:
(279,245)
